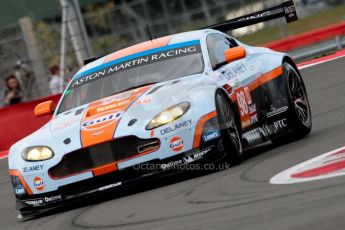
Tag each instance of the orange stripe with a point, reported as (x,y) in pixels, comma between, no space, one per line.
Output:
(266,77)
(200,126)
(14,172)
(155,43)
(263,79)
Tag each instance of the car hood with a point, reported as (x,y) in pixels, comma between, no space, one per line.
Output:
(123,114)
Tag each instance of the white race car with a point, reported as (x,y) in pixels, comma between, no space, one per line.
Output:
(153,107)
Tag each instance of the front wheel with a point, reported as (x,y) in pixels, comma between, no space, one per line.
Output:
(230,133)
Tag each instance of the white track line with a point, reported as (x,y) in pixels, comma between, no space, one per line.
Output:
(321,62)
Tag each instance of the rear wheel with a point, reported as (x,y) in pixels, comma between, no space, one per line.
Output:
(229,129)
(299,113)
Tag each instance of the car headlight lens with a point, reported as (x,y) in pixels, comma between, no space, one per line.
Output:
(168,115)
(38,153)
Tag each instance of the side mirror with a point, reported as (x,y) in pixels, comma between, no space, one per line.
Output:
(234,54)
(44,108)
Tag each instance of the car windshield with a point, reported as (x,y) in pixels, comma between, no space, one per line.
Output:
(157,65)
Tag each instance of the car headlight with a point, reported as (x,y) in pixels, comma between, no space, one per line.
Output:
(37,153)
(168,115)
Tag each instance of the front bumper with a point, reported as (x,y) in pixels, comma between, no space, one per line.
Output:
(36,204)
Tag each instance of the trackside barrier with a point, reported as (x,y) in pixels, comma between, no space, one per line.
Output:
(308,38)
(18,121)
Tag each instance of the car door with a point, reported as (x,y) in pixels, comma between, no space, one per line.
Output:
(241,75)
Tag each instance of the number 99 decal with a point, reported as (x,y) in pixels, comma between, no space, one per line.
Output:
(243,107)
(242,103)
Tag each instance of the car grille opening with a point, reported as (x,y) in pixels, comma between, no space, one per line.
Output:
(103,154)
(148,147)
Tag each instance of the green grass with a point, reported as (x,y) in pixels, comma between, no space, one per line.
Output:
(317,20)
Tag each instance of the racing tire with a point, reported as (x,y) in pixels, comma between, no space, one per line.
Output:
(229,129)
(299,115)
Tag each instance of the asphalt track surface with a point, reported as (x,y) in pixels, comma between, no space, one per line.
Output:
(238,198)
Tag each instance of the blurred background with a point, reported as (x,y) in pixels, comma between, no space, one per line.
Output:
(40,39)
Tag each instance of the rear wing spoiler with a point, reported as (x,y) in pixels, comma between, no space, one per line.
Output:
(287,9)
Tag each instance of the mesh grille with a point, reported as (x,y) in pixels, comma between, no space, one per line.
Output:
(102,154)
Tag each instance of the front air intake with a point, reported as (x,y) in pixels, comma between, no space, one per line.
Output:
(103,154)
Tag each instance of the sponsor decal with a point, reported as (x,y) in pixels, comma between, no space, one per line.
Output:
(196,156)
(171,164)
(144,101)
(44,200)
(176,144)
(267,13)
(106,119)
(121,97)
(269,129)
(210,135)
(274,111)
(35,203)
(215,74)
(52,199)
(235,70)
(290,10)
(110,186)
(185,160)
(175,127)
(280,124)
(136,62)
(253,114)
(255,136)
(112,106)
(19,190)
(38,183)
(292,15)
(66,124)
(33,168)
